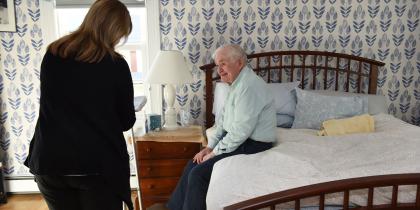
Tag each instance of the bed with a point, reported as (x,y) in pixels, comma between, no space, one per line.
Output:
(367,171)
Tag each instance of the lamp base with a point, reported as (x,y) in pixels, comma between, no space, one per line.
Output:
(170,119)
(170,128)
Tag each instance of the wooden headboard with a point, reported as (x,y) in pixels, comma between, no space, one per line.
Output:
(314,69)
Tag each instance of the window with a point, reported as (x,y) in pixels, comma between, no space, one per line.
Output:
(134,49)
(70,14)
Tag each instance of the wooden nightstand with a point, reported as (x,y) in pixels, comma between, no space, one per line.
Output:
(161,158)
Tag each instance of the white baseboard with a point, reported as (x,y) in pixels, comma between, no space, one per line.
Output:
(23,185)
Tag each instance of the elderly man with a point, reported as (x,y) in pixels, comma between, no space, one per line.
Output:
(247,126)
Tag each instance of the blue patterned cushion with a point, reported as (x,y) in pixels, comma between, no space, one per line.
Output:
(312,108)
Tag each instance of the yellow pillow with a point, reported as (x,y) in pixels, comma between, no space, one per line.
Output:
(358,124)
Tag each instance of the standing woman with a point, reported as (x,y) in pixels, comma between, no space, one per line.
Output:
(78,153)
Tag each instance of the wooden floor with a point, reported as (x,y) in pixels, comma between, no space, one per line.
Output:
(24,202)
(29,202)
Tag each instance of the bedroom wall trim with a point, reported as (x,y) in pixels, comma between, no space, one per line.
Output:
(27,184)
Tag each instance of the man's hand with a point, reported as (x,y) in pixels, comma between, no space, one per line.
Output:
(208,156)
(198,158)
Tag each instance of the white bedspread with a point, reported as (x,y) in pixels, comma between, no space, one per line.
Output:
(302,158)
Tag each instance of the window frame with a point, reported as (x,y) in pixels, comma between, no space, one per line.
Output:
(153,92)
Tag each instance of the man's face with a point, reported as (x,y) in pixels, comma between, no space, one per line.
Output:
(228,69)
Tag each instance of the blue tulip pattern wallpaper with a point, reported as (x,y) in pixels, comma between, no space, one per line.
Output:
(20,59)
(385,30)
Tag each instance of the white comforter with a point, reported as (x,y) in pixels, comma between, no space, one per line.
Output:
(302,158)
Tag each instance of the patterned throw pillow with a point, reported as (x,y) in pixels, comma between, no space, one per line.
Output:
(312,108)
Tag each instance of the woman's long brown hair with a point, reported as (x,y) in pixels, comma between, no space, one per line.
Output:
(106,22)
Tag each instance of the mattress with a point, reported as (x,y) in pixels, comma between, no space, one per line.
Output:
(300,158)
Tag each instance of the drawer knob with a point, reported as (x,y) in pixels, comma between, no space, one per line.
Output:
(148,149)
(185,149)
(149,168)
(151,186)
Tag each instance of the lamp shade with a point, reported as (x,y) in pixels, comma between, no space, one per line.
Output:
(169,67)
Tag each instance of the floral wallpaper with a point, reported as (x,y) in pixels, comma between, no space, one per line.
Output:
(384,30)
(20,58)
(21,55)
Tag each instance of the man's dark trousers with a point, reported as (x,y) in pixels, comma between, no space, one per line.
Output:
(191,190)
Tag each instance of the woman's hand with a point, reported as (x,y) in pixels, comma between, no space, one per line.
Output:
(199,157)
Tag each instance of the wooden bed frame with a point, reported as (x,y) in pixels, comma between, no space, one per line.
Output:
(346,186)
(319,70)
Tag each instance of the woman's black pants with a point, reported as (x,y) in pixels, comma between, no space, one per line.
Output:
(77,193)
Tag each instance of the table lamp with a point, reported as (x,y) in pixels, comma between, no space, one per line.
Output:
(169,68)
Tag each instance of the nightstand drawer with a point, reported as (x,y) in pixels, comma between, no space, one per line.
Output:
(166,150)
(158,186)
(161,168)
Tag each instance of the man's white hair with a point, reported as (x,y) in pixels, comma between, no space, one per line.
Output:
(234,52)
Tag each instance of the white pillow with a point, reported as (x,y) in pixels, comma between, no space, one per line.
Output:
(221,91)
(284,97)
